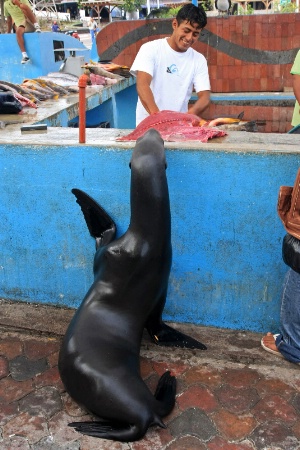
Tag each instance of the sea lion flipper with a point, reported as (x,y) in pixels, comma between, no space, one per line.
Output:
(166,392)
(169,337)
(113,430)
(101,226)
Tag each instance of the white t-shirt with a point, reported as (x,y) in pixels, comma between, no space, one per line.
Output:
(173,75)
(92,25)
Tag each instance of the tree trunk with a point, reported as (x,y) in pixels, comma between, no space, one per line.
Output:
(2,21)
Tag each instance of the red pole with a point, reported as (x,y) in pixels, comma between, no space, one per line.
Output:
(82,85)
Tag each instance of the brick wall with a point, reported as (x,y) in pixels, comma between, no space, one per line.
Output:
(251,53)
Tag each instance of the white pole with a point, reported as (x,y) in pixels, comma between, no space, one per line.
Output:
(148,7)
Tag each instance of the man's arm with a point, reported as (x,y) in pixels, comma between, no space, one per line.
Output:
(26,9)
(296,87)
(201,104)
(145,93)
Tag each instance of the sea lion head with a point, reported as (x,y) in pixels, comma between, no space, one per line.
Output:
(149,147)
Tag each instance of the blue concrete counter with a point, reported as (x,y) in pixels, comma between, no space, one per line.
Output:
(227,269)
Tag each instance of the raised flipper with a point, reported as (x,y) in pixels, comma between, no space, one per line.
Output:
(100,224)
(169,337)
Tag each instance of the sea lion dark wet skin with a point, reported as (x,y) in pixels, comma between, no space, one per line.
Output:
(99,357)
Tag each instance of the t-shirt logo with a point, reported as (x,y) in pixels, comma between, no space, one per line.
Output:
(172,69)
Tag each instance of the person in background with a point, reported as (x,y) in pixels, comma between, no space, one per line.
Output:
(55,27)
(93,28)
(20,15)
(295,71)
(168,69)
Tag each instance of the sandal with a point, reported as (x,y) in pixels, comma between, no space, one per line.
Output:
(269,349)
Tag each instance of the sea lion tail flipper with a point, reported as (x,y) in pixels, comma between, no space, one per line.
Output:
(101,226)
(112,430)
(169,337)
(165,393)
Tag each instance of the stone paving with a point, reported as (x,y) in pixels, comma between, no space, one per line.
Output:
(234,396)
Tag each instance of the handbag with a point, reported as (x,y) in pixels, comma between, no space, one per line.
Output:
(288,207)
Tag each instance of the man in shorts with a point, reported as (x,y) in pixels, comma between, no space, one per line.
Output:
(20,18)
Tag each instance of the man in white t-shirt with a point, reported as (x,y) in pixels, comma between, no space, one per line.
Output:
(168,69)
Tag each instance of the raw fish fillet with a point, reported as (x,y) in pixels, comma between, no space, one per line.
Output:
(174,126)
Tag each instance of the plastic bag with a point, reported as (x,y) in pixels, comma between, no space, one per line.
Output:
(9,104)
(291,252)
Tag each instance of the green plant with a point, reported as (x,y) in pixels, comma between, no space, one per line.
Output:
(208,5)
(245,11)
(284,7)
(163,13)
(132,5)
(288,7)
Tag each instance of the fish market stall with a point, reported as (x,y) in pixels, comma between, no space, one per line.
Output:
(227,269)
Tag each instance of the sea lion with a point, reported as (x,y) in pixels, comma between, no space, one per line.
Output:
(99,356)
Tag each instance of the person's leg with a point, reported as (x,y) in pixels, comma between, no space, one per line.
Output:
(28,13)
(288,342)
(27,27)
(20,37)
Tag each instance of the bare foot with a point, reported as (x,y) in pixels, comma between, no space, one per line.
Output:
(269,341)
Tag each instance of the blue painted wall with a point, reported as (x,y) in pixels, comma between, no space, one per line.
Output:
(39,47)
(227,269)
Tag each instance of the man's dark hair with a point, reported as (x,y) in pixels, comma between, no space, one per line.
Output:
(192,14)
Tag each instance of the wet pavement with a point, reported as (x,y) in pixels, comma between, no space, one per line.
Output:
(234,396)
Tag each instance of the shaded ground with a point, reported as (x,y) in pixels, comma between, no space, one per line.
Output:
(234,396)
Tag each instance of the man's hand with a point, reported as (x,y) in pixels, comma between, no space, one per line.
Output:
(201,104)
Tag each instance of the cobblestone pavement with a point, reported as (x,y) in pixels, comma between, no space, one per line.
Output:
(234,396)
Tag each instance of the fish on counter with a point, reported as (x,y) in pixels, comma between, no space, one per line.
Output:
(175,126)
(63,79)
(33,91)
(40,92)
(232,123)
(97,69)
(222,120)
(25,101)
(21,98)
(16,88)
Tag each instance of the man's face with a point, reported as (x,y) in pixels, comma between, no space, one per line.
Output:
(184,35)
